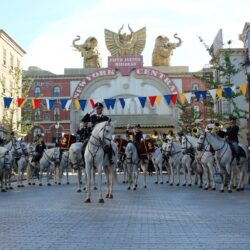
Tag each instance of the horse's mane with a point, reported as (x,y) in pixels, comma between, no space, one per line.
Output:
(100,125)
(192,140)
(217,137)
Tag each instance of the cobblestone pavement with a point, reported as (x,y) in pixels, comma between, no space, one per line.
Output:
(159,217)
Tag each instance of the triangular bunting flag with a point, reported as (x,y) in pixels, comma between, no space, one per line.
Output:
(63,102)
(174,98)
(92,103)
(228,91)
(110,103)
(188,97)
(50,103)
(68,103)
(212,92)
(204,94)
(122,102)
(168,98)
(219,93)
(20,102)
(243,89)
(158,99)
(82,104)
(36,103)
(7,101)
(152,100)
(197,95)
(182,98)
(77,104)
(142,100)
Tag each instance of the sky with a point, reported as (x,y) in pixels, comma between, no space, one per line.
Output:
(45,29)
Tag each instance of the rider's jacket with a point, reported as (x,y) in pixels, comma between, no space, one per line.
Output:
(84,133)
(94,119)
(232,133)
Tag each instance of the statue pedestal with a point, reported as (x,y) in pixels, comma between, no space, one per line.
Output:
(171,69)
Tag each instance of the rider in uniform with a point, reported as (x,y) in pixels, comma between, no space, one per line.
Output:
(232,136)
(85,131)
(95,119)
(40,147)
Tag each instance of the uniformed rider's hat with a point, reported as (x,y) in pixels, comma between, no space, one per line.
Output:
(231,117)
(98,105)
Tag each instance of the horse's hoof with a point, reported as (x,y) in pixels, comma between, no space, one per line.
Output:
(84,188)
(161,182)
(213,188)
(101,200)
(242,189)
(29,183)
(87,200)
(167,181)
(11,188)
(111,196)
(184,185)
(107,196)
(95,188)
(55,182)
(18,186)
(59,183)
(128,188)
(49,184)
(171,184)
(67,183)
(234,187)
(196,183)
(206,188)
(156,182)
(81,182)
(200,186)
(40,184)
(222,190)
(145,186)
(134,188)
(22,186)
(190,185)
(136,185)
(33,183)
(3,190)
(237,189)
(78,190)
(178,184)
(229,191)
(123,182)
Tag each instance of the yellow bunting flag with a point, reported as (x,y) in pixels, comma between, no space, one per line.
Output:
(77,104)
(158,99)
(182,98)
(219,93)
(243,89)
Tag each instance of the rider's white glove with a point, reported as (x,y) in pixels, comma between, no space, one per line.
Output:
(128,126)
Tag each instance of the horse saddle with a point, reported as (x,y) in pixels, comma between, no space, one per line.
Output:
(241,151)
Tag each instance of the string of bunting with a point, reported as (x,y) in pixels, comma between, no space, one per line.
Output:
(110,103)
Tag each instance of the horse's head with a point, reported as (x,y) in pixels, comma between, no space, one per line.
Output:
(129,152)
(185,144)
(56,155)
(17,146)
(75,155)
(201,141)
(103,132)
(167,148)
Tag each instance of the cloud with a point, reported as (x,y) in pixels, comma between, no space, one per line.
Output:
(52,49)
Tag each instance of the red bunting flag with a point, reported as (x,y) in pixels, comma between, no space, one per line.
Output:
(36,103)
(92,103)
(152,100)
(174,98)
(20,102)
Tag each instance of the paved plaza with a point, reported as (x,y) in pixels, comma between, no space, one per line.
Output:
(159,217)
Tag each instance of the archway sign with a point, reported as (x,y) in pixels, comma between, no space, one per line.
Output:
(125,65)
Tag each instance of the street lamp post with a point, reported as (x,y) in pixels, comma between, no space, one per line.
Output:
(57,125)
(247,72)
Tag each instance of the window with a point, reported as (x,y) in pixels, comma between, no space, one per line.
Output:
(37,115)
(37,91)
(46,116)
(196,111)
(195,87)
(4,57)
(11,61)
(56,91)
(56,114)
(37,131)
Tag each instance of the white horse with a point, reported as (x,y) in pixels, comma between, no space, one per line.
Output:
(225,160)
(5,161)
(172,150)
(189,163)
(50,157)
(63,166)
(159,161)
(98,143)
(32,167)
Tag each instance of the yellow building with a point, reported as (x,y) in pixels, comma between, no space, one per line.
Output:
(11,56)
